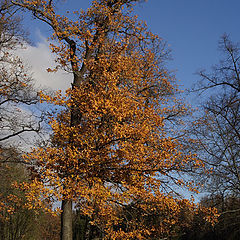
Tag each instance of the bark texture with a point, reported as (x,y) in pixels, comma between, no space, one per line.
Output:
(66,223)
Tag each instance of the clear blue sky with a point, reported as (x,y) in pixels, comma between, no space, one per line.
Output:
(191,27)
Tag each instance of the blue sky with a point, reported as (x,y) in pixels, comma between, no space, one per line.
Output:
(192,28)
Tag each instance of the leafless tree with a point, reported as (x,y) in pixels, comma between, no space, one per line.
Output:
(218,130)
(17,92)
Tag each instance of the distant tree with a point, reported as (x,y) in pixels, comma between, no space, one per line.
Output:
(229,209)
(227,227)
(16,83)
(218,130)
(17,93)
(110,144)
(16,220)
(218,138)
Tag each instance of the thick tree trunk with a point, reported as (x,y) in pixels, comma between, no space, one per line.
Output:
(66,220)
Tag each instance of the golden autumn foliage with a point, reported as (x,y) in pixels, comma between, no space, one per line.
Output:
(110,146)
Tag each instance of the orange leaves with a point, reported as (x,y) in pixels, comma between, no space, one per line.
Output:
(110,149)
(210,215)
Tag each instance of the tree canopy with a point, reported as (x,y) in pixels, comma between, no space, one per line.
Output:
(111,147)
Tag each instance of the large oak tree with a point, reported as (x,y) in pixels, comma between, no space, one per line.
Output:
(110,145)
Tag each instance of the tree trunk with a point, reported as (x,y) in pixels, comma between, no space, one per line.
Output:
(66,220)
